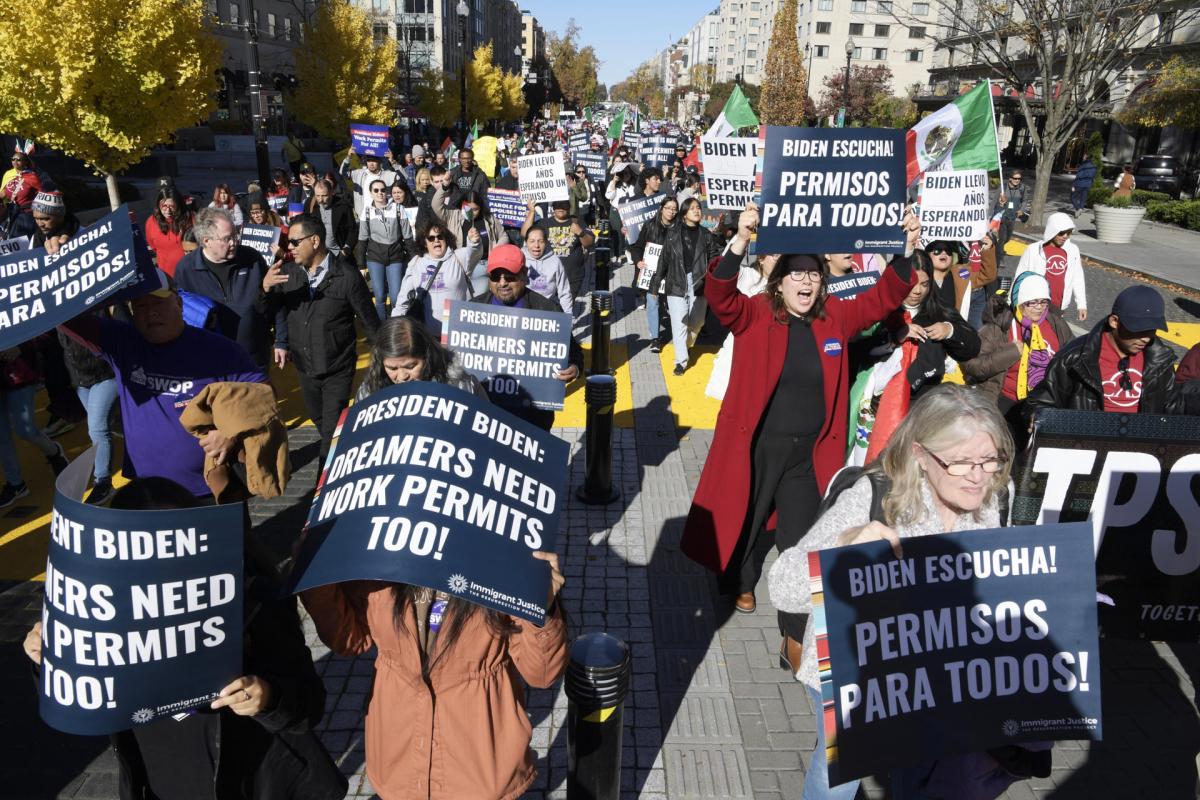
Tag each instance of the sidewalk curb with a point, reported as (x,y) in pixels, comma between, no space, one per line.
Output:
(1137,272)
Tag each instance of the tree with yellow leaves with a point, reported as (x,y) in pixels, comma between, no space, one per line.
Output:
(492,93)
(344,76)
(784,86)
(106,80)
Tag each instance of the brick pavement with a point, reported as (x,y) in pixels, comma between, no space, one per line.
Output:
(710,714)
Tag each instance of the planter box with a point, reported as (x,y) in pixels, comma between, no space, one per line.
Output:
(1116,225)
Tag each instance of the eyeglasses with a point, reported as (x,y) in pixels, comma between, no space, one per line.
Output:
(435,237)
(500,276)
(1036,303)
(1126,381)
(231,238)
(801,275)
(961,469)
(296,242)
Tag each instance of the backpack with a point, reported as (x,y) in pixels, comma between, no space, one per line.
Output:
(881,484)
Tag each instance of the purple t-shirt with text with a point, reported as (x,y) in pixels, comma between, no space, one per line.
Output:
(155,384)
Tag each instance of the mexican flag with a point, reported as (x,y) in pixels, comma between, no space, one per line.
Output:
(614,130)
(736,114)
(961,135)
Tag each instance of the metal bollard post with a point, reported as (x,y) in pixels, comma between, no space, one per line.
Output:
(602,262)
(602,303)
(596,683)
(600,394)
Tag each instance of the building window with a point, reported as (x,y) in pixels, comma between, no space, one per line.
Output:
(1166,27)
(380,6)
(916,33)
(751,54)
(287,28)
(418,6)
(879,53)
(856,29)
(882,30)
(271,24)
(729,61)
(823,27)
(915,55)
(380,33)
(825,5)
(235,14)
(857,53)
(920,9)
(822,51)
(883,7)
(858,6)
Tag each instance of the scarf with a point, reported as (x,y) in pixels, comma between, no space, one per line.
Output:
(893,403)
(1035,354)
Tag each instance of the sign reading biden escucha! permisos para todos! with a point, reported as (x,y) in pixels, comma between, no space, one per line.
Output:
(39,291)
(429,485)
(514,352)
(1132,477)
(142,614)
(969,641)
(827,190)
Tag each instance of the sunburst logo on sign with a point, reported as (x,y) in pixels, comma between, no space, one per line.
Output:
(1011,727)
(458,583)
(142,716)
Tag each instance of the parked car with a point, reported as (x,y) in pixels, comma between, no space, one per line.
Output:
(1159,174)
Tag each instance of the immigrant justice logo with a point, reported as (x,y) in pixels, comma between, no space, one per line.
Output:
(458,583)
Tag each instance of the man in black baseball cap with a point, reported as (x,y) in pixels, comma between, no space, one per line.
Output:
(1120,366)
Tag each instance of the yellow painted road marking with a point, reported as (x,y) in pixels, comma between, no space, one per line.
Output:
(690,405)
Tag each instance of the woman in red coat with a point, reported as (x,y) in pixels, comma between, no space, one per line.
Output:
(781,430)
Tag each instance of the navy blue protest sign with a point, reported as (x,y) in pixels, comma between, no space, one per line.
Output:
(514,352)
(632,140)
(970,641)
(832,190)
(507,207)
(429,485)
(1132,477)
(578,141)
(658,151)
(851,284)
(369,140)
(142,614)
(595,163)
(39,291)
(638,211)
(263,239)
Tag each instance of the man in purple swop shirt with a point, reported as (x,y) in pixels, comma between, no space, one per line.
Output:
(160,365)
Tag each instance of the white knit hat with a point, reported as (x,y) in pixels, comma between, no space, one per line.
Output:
(1031,287)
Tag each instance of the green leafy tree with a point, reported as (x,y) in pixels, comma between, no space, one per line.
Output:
(1172,97)
(718,96)
(575,68)
(784,99)
(106,80)
(867,86)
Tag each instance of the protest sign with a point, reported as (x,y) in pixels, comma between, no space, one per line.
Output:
(578,141)
(429,485)
(39,291)
(294,210)
(954,205)
(729,171)
(829,190)
(970,641)
(633,140)
(369,140)
(657,151)
(542,177)
(650,255)
(595,163)
(262,239)
(507,206)
(634,213)
(846,286)
(142,614)
(1131,475)
(15,245)
(513,351)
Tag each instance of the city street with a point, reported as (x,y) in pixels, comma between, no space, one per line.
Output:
(710,714)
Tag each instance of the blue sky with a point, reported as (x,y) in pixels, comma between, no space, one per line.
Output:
(624,32)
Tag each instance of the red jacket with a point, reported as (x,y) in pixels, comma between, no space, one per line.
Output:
(722,499)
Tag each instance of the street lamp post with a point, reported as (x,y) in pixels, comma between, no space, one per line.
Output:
(463,11)
(258,113)
(846,84)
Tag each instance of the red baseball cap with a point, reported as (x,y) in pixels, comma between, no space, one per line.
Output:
(507,257)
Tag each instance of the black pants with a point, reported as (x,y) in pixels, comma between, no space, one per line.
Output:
(325,398)
(782,478)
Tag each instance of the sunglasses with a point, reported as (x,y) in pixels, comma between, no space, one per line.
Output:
(937,251)
(1126,381)
(435,237)
(500,276)
(295,242)
(378,191)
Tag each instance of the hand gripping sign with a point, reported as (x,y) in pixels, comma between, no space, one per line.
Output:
(429,485)
(142,616)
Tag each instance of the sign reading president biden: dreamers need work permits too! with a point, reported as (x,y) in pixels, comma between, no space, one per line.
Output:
(429,485)
(828,190)
(970,640)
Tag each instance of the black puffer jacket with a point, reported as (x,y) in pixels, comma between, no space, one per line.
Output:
(1073,378)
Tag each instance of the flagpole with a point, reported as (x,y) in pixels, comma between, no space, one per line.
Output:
(996,136)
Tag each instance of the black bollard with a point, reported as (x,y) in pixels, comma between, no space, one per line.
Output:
(600,394)
(602,262)
(602,303)
(596,684)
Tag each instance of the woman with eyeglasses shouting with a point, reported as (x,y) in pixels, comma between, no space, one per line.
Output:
(386,239)
(781,432)
(1016,348)
(945,469)
(442,273)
